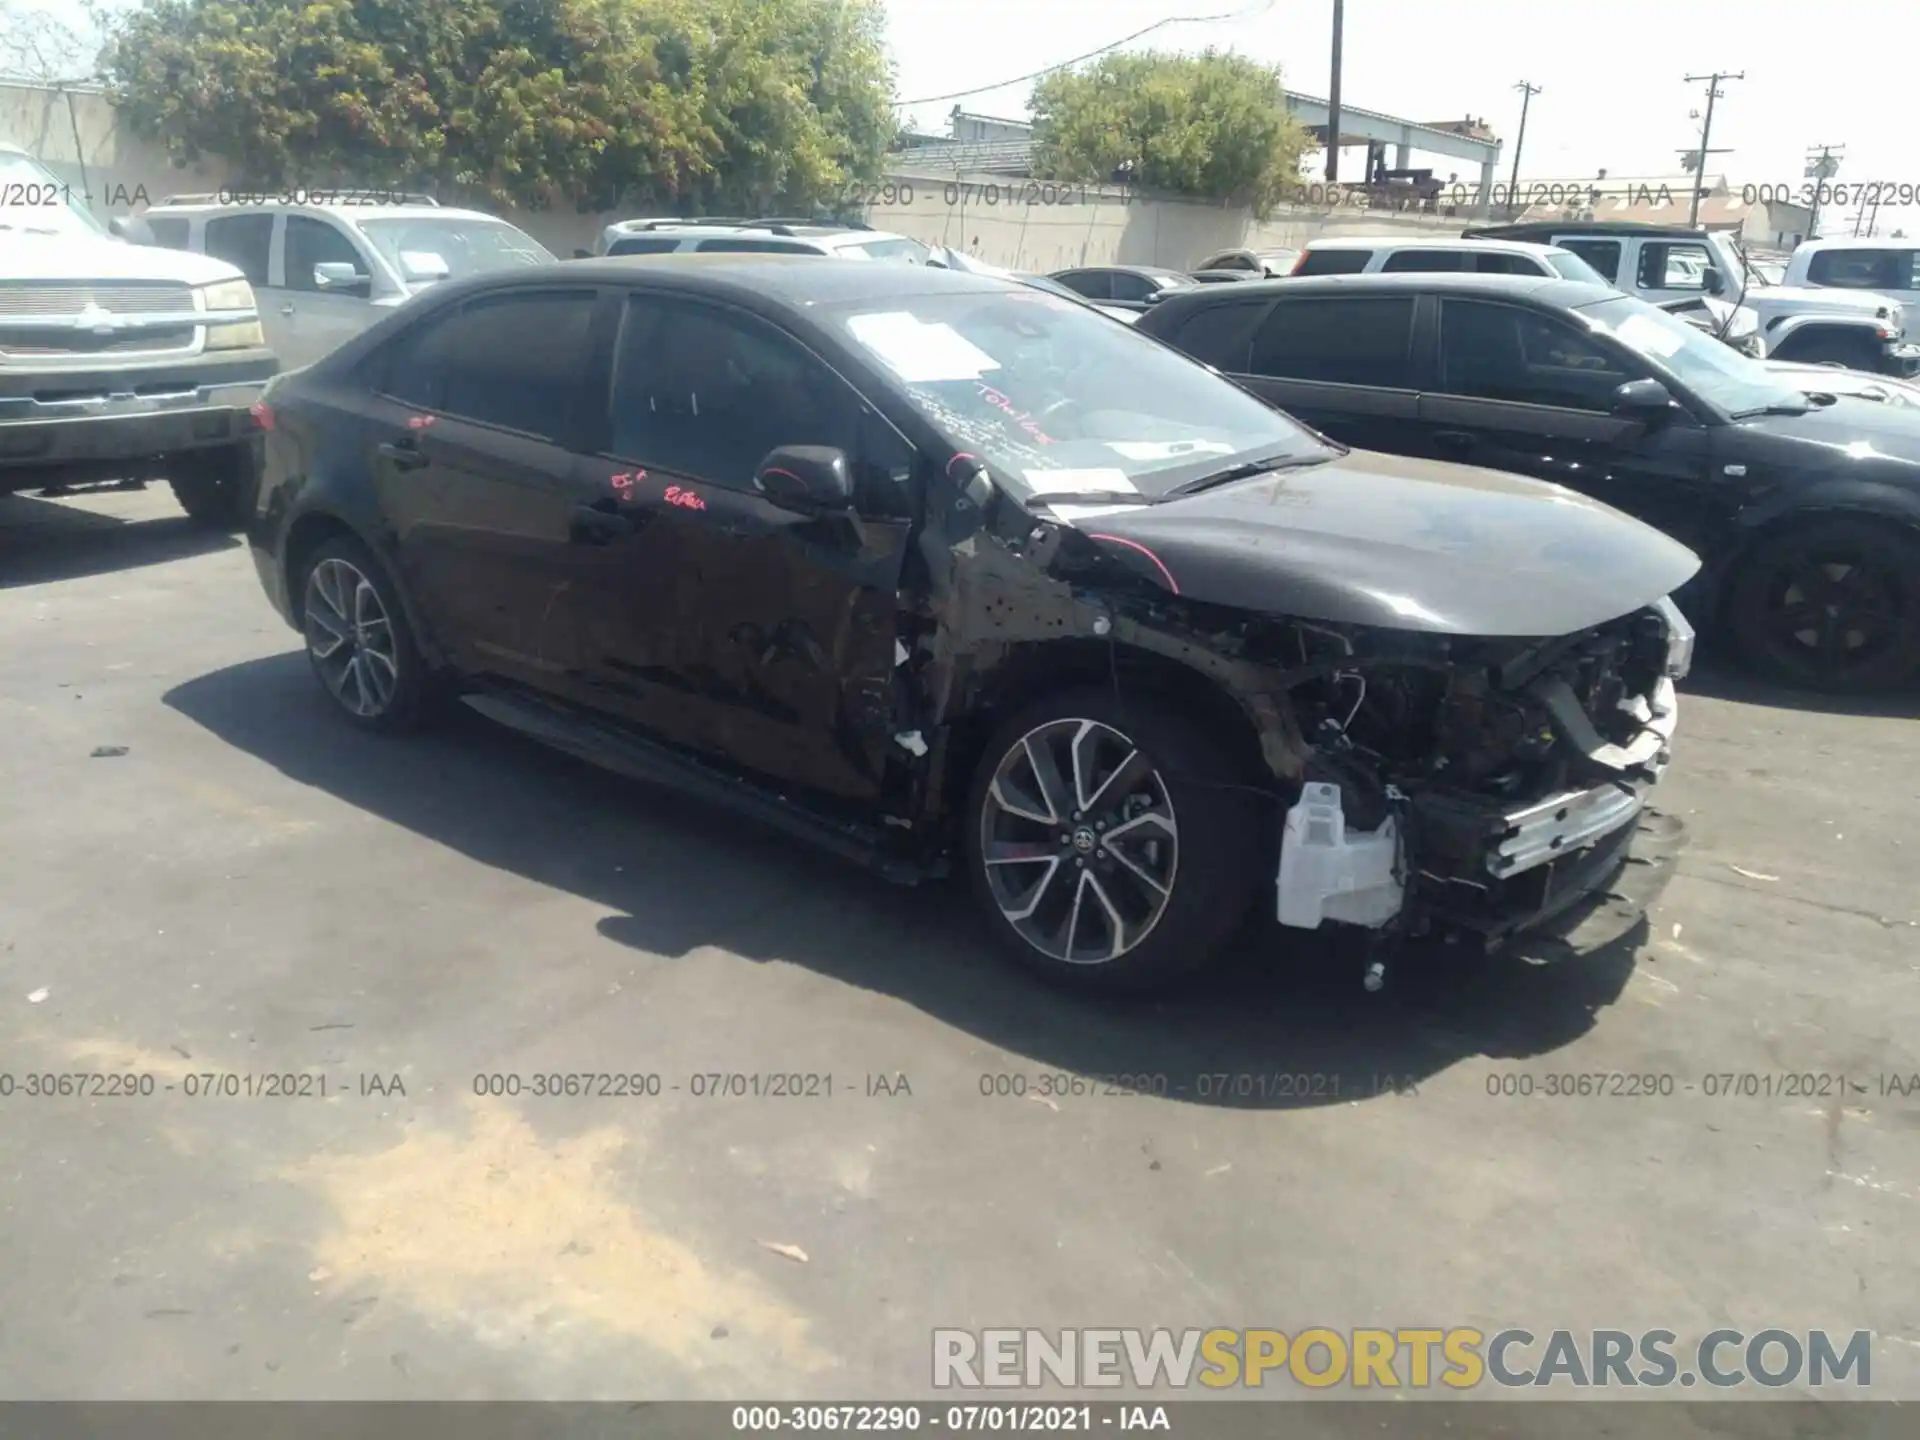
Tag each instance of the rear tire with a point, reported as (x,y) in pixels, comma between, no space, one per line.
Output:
(358,641)
(215,487)
(1833,607)
(1058,783)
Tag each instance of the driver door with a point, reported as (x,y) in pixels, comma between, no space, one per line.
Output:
(711,616)
(1523,391)
(316,320)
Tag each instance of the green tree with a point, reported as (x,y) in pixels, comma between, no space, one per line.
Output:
(1213,126)
(531,102)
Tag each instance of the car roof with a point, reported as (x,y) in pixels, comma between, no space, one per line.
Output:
(1431,242)
(1548,289)
(787,279)
(1859,242)
(1584,227)
(1128,270)
(343,210)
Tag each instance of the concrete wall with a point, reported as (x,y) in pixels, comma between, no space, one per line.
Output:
(1014,223)
(77,135)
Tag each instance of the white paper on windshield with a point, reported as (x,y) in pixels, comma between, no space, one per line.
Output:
(1649,336)
(920,353)
(1079,482)
(1074,514)
(1167,449)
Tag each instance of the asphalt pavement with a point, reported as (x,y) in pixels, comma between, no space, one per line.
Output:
(209,884)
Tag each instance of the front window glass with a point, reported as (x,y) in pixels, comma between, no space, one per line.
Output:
(1059,400)
(1725,377)
(425,248)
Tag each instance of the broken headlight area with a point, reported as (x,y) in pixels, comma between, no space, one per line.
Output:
(1483,785)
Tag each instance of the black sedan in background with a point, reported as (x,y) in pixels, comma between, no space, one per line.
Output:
(936,569)
(1805,507)
(1127,287)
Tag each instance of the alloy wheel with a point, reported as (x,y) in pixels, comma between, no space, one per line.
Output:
(1079,841)
(350,637)
(1836,609)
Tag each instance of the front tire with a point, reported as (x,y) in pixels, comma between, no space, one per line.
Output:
(1833,607)
(358,640)
(1112,847)
(214,487)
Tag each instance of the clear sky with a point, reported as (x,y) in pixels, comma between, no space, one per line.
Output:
(1611,71)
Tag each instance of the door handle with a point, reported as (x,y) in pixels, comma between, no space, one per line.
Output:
(403,455)
(590,525)
(1454,439)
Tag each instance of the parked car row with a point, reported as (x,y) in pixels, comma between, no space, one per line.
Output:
(1361,597)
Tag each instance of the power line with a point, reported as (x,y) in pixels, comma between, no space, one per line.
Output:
(1094,54)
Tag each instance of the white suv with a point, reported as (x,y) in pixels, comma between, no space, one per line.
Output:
(1375,254)
(328,268)
(1886,267)
(668,236)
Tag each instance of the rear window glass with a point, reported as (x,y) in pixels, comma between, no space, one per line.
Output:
(1350,340)
(169,231)
(645,245)
(1219,335)
(1602,255)
(1334,262)
(1863,269)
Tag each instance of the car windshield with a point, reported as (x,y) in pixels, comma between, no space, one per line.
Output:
(34,201)
(461,246)
(900,251)
(1570,266)
(1719,373)
(1055,398)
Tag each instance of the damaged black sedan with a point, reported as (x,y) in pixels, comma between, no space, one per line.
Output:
(940,571)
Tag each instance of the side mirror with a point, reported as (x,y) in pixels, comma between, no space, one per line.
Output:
(1642,399)
(1713,282)
(807,479)
(338,275)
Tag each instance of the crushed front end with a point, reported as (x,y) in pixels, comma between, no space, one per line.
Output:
(1476,785)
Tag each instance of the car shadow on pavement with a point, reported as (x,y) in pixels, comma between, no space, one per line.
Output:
(1722,679)
(1282,1021)
(41,541)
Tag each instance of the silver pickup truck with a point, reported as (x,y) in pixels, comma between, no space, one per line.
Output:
(118,361)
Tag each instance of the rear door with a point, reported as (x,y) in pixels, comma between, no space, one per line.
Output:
(476,411)
(1603,254)
(715,619)
(1343,364)
(1529,393)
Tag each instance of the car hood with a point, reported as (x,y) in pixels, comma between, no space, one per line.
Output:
(75,256)
(1855,429)
(1403,544)
(1808,297)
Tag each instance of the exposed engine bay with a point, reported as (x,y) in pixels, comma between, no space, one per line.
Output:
(1465,781)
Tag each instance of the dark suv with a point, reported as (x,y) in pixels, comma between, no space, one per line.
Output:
(1805,508)
(932,567)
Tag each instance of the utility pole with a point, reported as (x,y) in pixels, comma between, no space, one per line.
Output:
(1821,168)
(1706,132)
(1527,92)
(1333,99)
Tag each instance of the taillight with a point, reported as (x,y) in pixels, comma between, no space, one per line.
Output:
(262,414)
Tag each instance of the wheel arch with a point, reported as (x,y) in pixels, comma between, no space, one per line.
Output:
(1032,671)
(312,529)
(1797,335)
